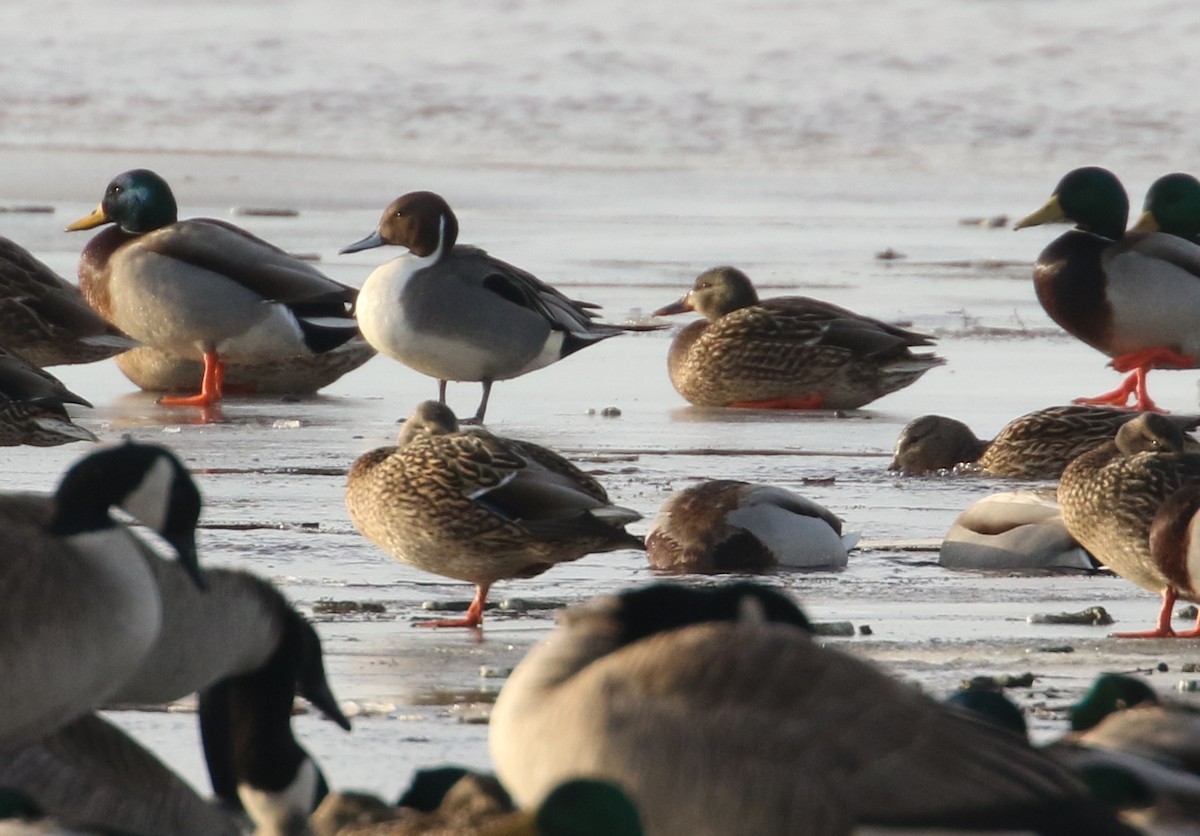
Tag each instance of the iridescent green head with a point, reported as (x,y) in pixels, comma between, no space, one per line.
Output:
(1111,692)
(1172,206)
(1092,198)
(137,201)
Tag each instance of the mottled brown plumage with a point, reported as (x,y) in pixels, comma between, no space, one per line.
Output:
(1110,499)
(480,508)
(1035,446)
(44,318)
(790,352)
(33,406)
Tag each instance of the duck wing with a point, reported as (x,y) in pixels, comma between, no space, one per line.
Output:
(21,381)
(525,289)
(262,267)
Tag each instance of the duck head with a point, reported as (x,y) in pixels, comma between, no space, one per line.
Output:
(1173,206)
(1150,432)
(429,418)
(137,201)
(421,221)
(715,293)
(1091,197)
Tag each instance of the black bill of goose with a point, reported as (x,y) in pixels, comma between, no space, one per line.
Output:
(243,647)
(43,317)
(1035,446)
(1132,503)
(202,288)
(89,774)
(454,312)
(717,712)
(33,407)
(723,525)
(480,508)
(83,607)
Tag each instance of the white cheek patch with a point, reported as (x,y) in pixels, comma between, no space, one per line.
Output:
(149,503)
(275,809)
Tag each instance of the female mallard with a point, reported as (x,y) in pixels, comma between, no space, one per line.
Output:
(1035,446)
(33,406)
(791,352)
(723,525)
(1134,297)
(1172,206)
(44,318)
(479,508)
(1130,502)
(456,313)
(718,714)
(203,288)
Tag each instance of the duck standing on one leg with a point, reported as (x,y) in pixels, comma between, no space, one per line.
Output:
(790,352)
(202,288)
(455,313)
(1135,297)
(479,508)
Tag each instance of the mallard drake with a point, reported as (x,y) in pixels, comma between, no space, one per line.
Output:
(1134,297)
(157,371)
(1130,502)
(790,352)
(1010,531)
(1035,446)
(455,312)
(90,774)
(479,508)
(706,704)
(1172,206)
(203,288)
(33,406)
(723,525)
(44,318)
(82,606)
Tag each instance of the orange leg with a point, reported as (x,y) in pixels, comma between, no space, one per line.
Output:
(474,616)
(1152,358)
(802,402)
(210,385)
(1162,628)
(1138,364)
(1117,397)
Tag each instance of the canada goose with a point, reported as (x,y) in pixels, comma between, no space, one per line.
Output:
(82,605)
(90,774)
(717,712)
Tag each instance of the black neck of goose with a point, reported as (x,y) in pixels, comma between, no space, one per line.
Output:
(246,728)
(664,607)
